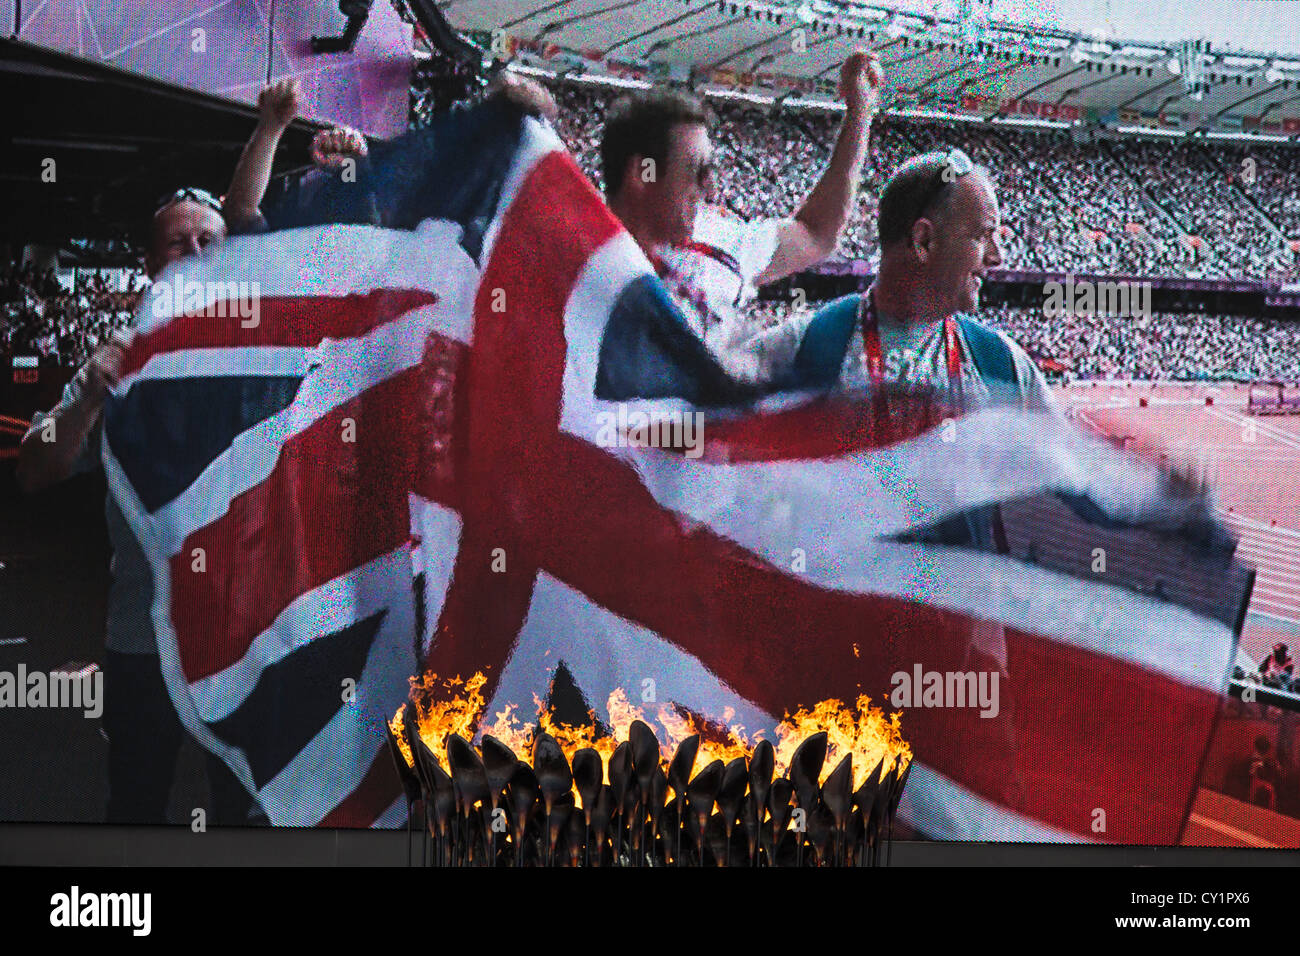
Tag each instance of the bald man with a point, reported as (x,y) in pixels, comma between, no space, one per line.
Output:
(938,226)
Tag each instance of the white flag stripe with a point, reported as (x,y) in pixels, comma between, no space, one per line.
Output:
(943,809)
(297,796)
(439,529)
(614,265)
(538,140)
(394,817)
(328,261)
(336,260)
(349,598)
(834,525)
(999,455)
(604,651)
(269,360)
(345,374)
(177,686)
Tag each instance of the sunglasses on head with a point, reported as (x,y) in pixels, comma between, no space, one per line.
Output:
(956,164)
(200,196)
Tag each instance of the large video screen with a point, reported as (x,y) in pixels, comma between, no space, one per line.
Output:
(677,463)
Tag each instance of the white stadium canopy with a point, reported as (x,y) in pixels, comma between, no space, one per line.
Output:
(1113,61)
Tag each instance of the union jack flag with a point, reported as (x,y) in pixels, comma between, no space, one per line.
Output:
(443,380)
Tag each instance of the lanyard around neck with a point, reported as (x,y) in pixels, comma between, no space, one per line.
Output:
(874,354)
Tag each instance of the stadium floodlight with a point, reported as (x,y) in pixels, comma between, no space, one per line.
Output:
(816,104)
(739,95)
(1031,121)
(894,28)
(621,81)
(526,70)
(1077,55)
(1174,66)
(804,13)
(1150,131)
(1243,62)
(1252,137)
(934,114)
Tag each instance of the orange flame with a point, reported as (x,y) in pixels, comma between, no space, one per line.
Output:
(860,729)
(395,725)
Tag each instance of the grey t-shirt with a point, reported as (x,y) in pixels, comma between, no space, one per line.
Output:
(130,596)
(917,355)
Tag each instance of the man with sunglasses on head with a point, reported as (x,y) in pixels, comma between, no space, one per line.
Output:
(912,331)
(145,735)
(184,223)
(657,160)
(143,731)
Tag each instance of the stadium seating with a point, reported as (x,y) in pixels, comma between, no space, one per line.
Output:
(40,317)
(1123,207)
(1120,207)
(1163,347)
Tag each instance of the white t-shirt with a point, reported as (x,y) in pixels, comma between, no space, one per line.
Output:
(712,280)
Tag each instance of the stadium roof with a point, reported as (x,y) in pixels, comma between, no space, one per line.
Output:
(1262,25)
(930,60)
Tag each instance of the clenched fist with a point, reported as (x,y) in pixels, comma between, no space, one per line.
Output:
(332,147)
(105,366)
(860,81)
(529,95)
(278,104)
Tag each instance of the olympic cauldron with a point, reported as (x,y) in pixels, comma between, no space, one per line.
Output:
(552,794)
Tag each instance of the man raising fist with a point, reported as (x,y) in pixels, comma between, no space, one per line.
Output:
(657,159)
(144,733)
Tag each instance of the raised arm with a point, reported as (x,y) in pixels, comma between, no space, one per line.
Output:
(277,106)
(529,95)
(815,231)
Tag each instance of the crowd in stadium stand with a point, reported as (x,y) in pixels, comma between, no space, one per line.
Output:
(1117,208)
(1193,185)
(42,317)
(1164,346)
(1129,207)
(1271,177)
